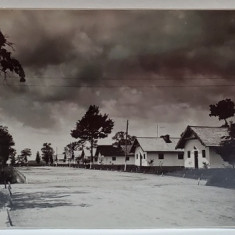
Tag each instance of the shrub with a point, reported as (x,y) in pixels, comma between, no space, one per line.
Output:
(8,174)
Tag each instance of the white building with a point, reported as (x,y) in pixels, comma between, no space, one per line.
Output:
(112,155)
(60,159)
(200,143)
(157,151)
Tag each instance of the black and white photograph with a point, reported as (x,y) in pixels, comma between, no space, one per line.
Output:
(117,119)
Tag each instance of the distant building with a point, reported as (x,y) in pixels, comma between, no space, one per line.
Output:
(113,155)
(157,151)
(200,143)
(84,156)
(60,159)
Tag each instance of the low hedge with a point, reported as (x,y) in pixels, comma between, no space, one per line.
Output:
(133,168)
(224,178)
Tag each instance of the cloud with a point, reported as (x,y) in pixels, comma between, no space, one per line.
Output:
(112,58)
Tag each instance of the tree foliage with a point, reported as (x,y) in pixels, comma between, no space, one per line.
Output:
(6,143)
(25,153)
(13,160)
(227,149)
(93,126)
(47,153)
(224,109)
(120,138)
(7,62)
(74,146)
(38,158)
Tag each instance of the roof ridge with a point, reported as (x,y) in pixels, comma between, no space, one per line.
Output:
(99,145)
(147,137)
(208,126)
(159,137)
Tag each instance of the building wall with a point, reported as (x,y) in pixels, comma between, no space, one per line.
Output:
(212,159)
(138,152)
(170,159)
(120,160)
(152,158)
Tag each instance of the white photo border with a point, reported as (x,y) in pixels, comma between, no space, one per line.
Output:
(117,5)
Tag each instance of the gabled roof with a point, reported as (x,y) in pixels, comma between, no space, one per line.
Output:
(155,144)
(109,150)
(208,136)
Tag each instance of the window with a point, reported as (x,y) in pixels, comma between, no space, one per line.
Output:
(137,156)
(180,155)
(127,158)
(96,159)
(144,155)
(189,154)
(204,153)
(160,156)
(113,158)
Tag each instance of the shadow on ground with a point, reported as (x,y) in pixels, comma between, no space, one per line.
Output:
(3,199)
(38,200)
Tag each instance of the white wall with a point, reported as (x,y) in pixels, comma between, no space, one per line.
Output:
(213,160)
(170,159)
(139,151)
(120,160)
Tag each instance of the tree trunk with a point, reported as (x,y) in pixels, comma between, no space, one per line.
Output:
(91,160)
(226,123)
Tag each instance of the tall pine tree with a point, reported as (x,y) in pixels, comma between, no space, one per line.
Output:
(93,126)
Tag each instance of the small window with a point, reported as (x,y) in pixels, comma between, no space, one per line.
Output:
(137,156)
(181,156)
(204,153)
(96,159)
(160,156)
(127,158)
(144,155)
(113,158)
(189,154)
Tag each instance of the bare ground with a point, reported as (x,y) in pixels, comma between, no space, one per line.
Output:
(80,198)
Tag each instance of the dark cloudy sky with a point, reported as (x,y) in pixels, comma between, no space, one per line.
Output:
(151,67)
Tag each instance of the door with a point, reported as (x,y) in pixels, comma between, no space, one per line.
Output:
(141,159)
(196,159)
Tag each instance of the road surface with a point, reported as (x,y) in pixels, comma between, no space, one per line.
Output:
(79,198)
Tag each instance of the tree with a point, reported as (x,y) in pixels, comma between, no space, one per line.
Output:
(224,109)
(7,62)
(20,160)
(227,148)
(13,160)
(38,158)
(93,126)
(65,154)
(12,157)
(25,153)
(6,143)
(47,153)
(120,138)
(74,146)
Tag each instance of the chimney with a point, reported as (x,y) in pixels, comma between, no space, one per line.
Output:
(166,138)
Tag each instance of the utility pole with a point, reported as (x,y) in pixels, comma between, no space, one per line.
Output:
(56,157)
(126,144)
(157,130)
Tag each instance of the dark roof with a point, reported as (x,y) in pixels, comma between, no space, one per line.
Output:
(109,150)
(155,144)
(208,136)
